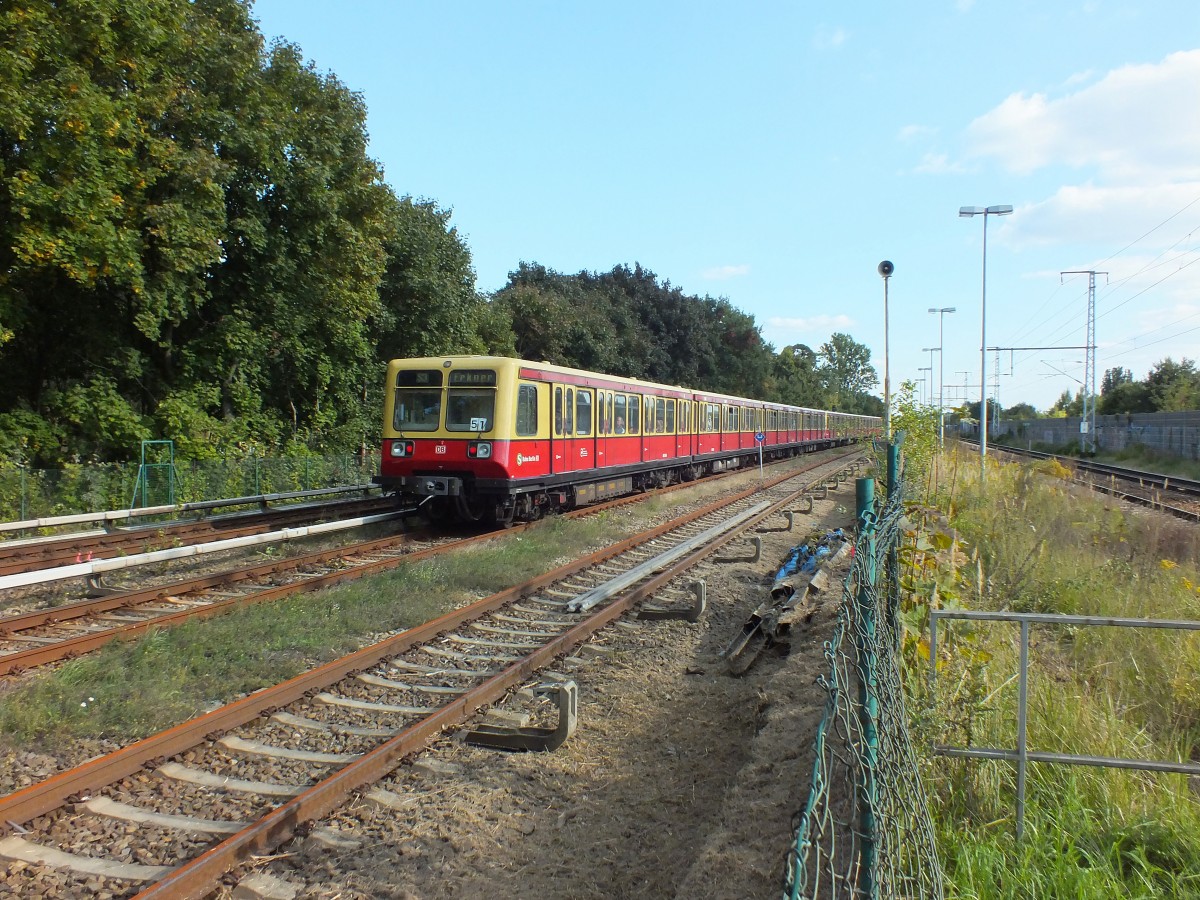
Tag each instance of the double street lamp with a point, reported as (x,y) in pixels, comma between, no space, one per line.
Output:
(967,212)
(930,351)
(926,380)
(941,314)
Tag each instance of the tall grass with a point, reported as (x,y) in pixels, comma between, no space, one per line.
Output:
(1031,543)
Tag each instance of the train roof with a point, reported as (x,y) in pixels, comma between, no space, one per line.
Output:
(588,378)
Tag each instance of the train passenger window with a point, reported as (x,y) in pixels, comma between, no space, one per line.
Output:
(417,409)
(583,412)
(470,409)
(527,412)
(611,422)
(635,413)
(558,410)
(660,415)
(670,417)
(731,418)
(569,413)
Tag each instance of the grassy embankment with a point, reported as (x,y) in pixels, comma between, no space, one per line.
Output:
(1030,543)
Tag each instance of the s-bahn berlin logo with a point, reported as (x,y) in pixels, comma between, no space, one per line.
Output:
(522,459)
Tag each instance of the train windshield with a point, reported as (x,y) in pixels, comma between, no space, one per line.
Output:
(417,409)
(470,409)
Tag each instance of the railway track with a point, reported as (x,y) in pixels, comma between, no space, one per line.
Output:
(44,636)
(171,814)
(1179,497)
(19,556)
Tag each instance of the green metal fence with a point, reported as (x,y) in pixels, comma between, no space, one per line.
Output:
(865,829)
(32,493)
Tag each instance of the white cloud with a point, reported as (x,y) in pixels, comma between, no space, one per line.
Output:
(808,324)
(1137,123)
(911,132)
(1107,215)
(828,37)
(722,273)
(937,164)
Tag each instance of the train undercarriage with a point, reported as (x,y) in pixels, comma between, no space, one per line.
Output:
(458,498)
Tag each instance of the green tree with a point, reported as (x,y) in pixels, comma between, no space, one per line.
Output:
(1067,405)
(847,370)
(111,204)
(1021,411)
(192,234)
(798,380)
(1174,386)
(429,301)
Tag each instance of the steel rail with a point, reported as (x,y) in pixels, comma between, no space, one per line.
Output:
(1084,468)
(27,556)
(196,879)
(52,793)
(72,647)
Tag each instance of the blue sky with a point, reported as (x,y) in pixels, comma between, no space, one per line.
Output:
(774,153)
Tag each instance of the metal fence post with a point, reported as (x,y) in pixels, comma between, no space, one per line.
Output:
(1022,718)
(893,555)
(864,636)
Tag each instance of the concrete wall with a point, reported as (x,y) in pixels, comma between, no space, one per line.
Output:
(1172,434)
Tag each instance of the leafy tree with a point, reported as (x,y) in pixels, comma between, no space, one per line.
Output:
(628,323)
(1126,397)
(193,239)
(1174,386)
(429,301)
(1114,378)
(846,367)
(1021,411)
(798,380)
(1066,405)
(111,205)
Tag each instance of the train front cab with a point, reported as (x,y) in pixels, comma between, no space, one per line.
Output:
(452,429)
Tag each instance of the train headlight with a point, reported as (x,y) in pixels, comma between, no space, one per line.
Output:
(402,448)
(479,450)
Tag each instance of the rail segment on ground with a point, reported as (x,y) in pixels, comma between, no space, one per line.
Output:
(41,553)
(191,803)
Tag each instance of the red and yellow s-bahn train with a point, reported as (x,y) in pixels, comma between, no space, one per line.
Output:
(486,437)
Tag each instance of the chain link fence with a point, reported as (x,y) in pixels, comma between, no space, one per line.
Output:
(34,493)
(865,830)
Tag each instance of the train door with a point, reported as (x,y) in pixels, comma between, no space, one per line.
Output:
(579,436)
(559,434)
(604,426)
(676,413)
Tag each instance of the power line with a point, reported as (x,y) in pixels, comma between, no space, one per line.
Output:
(1151,231)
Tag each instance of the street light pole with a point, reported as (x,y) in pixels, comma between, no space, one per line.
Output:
(967,212)
(941,311)
(930,351)
(886,269)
